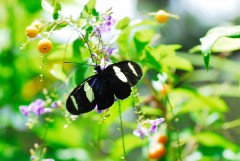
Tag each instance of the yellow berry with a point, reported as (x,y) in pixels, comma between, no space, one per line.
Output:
(44,46)
(162,16)
(31,31)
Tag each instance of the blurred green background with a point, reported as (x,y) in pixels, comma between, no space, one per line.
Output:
(20,82)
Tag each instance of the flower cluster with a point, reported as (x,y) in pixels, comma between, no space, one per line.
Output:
(143,131)
(105,26)
(37,108)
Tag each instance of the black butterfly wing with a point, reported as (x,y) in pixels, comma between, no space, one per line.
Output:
(131,70)
(80,99)
(104,96)
(122,76)
(90,93)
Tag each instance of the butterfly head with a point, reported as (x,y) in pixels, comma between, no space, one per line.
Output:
(97,69)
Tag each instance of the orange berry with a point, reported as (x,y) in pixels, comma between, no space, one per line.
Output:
(44,46)
(157,152)
(31,31)
(162,139)
(162,16)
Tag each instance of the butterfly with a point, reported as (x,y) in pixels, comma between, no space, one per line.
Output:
(99,91)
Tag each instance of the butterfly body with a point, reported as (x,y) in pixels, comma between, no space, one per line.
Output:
(100,89)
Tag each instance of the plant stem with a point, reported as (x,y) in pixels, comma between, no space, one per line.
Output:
(177,132)
(43,138)
(136,104)
(42,73)
(122,132)
(171,111)
(83,37)
(99,131)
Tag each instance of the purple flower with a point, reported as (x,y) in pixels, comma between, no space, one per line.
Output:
(106,26)
(108,18)
(33,157)
(104,64)
(54,104)
(141,131)
(110,50)
(155,123)
(97,31)
(24,110)
(37,107)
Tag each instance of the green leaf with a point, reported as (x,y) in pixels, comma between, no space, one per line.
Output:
(142,38)
(81,74)
(225,90)
(125,38)
(152,61)
(89,9)
(214,140)
(206,58)
(226,44)
(234,36)
(91,4)
(151,111)
(57,72)
(212,36)
(166,56)
(56,10)
(144,35)
(59,26)
(123,41)
(123,23)
(76,48)
(132,142)
(31,6)
(217,63)
(57,128)
(177,62)
(195,49)
(95,12)
(190,101)
(89,29)
(163,51)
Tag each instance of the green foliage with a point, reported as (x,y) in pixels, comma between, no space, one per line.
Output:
(215,35)
(214,140)
(31,6)
(57,8)
(123,23)
(191,100)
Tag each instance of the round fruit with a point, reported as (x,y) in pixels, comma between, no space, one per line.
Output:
(31,31)
(44,46)
(163,139)
(162,16)
(157,152)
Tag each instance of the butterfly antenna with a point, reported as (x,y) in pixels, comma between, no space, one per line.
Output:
(68,62)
